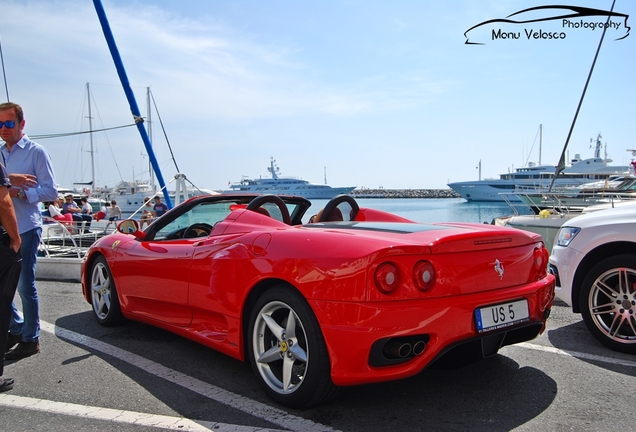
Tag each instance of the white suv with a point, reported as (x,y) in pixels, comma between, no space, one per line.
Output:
(594,261)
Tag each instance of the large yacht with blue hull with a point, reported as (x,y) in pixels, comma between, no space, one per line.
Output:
(277,185)
(538,178)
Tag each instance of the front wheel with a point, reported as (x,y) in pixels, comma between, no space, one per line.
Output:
(104,294)
(287,351)
(608,302)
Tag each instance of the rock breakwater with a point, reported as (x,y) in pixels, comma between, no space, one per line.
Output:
(404,193)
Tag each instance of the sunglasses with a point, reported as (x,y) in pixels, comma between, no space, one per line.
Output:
(9,124)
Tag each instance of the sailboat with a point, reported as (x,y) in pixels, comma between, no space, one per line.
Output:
(130,194)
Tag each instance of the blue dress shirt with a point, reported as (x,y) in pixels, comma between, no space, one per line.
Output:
(28,157)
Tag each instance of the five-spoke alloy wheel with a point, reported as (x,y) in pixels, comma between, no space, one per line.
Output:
(287,350)
(103,294)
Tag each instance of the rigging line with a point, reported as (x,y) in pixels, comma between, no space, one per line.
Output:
(4,72)
(188,180)
(90,98)
(152,196)
(60,135)
(561,166)
(532,148)
(164,131)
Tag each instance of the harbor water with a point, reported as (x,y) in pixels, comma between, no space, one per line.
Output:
(431,209)
(424,209)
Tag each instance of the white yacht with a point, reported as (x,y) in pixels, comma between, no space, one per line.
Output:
(538,178)
(286,186)
(130,195)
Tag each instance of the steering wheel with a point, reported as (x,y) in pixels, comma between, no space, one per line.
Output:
(337,209)
(258,202)
(197,230)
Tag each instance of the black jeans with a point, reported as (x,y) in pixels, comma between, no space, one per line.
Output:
(10,266)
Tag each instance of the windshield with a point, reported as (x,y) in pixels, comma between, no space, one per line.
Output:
(207,212)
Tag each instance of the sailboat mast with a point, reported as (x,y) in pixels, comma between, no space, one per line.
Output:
(134,108)
(561,166)
(90,128)
(149,122)
(540,142)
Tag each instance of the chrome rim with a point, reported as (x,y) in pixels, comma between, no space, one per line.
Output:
(101,290)
(280,347)
(612,304)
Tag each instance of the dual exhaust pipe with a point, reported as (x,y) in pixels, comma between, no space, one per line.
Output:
(398,348)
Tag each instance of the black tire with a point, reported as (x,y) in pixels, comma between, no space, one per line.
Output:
(290,359)
(103,293)
(608,302)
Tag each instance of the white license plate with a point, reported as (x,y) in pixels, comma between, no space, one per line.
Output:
(501,315)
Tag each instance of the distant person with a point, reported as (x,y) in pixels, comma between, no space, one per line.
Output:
(159,208)
(334,216)
(86,207)
(55,210)
(146,215)
(114,214)
(10,266)
(23,158)
(69,206)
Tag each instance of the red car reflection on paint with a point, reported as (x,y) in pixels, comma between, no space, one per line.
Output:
(359,296)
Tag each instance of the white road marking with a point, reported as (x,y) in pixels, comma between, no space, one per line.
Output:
(257,409)
(120,416)
(254,408)
(576,354)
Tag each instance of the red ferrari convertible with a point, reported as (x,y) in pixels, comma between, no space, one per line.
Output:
(358,296)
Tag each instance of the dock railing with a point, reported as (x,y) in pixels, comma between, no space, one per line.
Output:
(61,240)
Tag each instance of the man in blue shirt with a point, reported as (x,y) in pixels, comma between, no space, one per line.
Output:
(20,155)
(71,207)
(159,208)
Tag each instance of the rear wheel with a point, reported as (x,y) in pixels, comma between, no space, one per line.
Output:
(104,294)
(287,350)
(608,302)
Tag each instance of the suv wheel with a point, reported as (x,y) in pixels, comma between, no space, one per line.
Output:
(608,302)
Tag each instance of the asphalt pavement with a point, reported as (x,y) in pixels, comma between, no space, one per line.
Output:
(139,378)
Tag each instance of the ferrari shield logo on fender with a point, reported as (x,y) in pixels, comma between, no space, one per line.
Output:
(499,268)
(116,243)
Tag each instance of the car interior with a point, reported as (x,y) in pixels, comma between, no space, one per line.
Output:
(199,217)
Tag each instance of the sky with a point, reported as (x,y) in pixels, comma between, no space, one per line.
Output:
(358,93)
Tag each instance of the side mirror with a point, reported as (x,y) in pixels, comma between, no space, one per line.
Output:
(130,226)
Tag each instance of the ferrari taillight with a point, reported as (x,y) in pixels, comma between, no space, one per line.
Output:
(424,275)
(541,257)
(387,277)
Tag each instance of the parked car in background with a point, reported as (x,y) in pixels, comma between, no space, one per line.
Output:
(594,261)
(359,296)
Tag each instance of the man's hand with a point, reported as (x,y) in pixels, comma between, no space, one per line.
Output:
(15,244)
(23,180)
